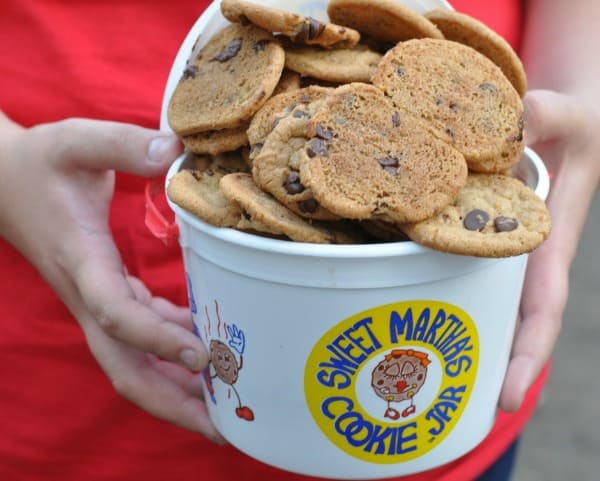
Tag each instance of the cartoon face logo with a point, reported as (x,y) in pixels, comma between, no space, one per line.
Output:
(224,362)
(398,377)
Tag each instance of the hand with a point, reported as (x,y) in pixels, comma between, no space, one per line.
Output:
(56,186)
(564,131)
(237,339)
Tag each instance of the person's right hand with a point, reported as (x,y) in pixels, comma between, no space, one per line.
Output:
(56,186)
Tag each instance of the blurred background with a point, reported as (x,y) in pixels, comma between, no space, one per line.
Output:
(562,441)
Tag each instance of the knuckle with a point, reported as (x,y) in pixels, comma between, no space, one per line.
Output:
(107,321)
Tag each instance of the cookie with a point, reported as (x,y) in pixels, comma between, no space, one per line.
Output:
(363,159)
(227,82)
(197,190)
(298,28)
(461,96)
(215,142)
(493,216)
(384,20)
(469,31)
(288,82)
(276,108)
(276,167)
(357,64)
(263,208)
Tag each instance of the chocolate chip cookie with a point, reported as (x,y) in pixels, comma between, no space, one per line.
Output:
(357,64)
(461,96)
(364,159)
(227,82)
(259,206)
(298,28)
(492,216)
(384,20)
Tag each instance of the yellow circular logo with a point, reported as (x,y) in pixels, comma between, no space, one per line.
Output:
(388,384)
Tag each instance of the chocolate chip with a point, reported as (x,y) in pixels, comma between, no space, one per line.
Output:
(293,185)
(505,224)
(260,45)
(298,114)
(302,35)
(396,119)
(454,106)
(488,87)
(476,220)
(189,72)
(324,133)
(246,214)
(230,51)
(309,205)
(244,20)
(315,28)
(317,147)
(255,149)
(390,164)
(521,127)
(400,71)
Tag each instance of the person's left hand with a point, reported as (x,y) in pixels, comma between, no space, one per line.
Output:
(564,131)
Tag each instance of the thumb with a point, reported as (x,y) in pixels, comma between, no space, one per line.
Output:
(105,145)
(550,116)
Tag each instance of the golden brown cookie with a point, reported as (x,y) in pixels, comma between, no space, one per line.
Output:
(288,82)
(197,190)
(492,216)
(461,96)
(357,64)
(384,20)
(300,29)
(227,82)
(469,31)
(275,109)
(276,166)
(261,207)
(364,159)
(215,142)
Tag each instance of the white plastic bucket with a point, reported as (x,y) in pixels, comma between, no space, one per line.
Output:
(308,342)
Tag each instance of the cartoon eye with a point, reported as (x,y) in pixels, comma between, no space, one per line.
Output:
(407,369)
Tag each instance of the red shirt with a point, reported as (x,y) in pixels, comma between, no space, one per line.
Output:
(61,419)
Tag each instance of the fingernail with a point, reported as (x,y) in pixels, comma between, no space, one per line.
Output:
(189,359)
(159,148)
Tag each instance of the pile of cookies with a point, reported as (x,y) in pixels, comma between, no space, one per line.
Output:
(383,125)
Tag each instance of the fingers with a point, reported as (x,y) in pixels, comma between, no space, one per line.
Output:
(112,302)
(103,145)
(551,116)
(538,331)
(164,393)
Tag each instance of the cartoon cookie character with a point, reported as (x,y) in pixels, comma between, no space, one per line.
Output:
(398,377)
(226,366)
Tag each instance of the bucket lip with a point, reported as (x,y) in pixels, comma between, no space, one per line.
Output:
(308,249)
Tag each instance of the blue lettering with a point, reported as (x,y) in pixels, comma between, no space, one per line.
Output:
(330,378)
(398,325)
(458,366)
(359,340)
(421,326)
